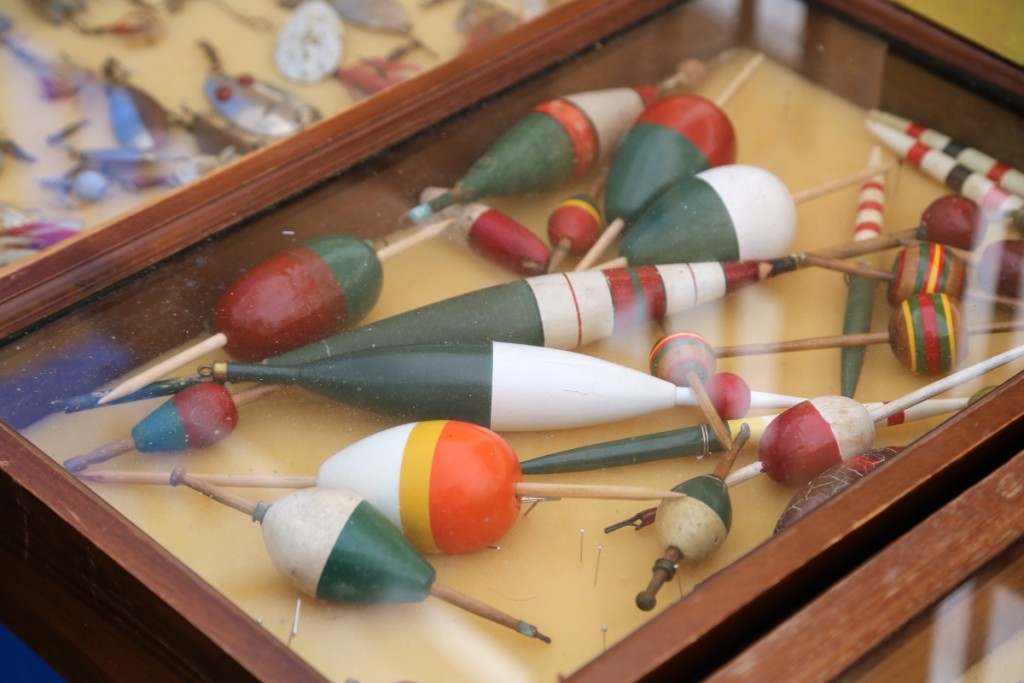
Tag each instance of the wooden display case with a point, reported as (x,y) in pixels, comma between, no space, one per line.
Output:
(103,586)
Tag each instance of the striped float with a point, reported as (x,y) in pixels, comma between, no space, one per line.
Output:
(558,310)
(985,192)
(1008,178)
(928,334)
(927,268)
(448,485)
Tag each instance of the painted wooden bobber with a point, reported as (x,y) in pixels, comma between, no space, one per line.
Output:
(723,214)
(558,140)
(513,387)
(448,485)
(1000,268)
(831,483)
(306,293)
(557,310)
(926,268)
(927,333)
(198,416)
(496,236)
(674,138)
(573,227)
(332,544)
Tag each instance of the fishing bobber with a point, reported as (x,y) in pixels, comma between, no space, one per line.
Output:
(807,439)
(507,387)
(1000,268)
(305,293)
(992,198)
(333,545)
(927,333)
(1008,178)
(686,359)
(692,528)
(831,482)
(695,441)
(196,417)
(926,268)
(496,236)
(673,139)
(573,228)
(733,212)
(558,140)
(558,310)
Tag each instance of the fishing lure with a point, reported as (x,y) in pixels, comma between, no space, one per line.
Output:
(58,79)
(372,74)
(139,121)
(253,105)
(309,45)
(252,21)
(23,233)
(139,23)
(211,136)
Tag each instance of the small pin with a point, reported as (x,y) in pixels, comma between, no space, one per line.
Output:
(581,544)
(295,621)
(597,564)
(604,637)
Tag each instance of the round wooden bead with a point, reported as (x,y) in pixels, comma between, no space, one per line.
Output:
(578,221)
(299,296)
(730,394)
(926,268)
(1000,269)
(928,334)
(198,416)
(332,544)
(954,220)
(807,439)
(678,354)
(698,524)
(448,485)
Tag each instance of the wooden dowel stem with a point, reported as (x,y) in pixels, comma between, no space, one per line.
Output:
(253,481)
(602,244)
(739,80)
(708,408)
(482,609)
(98,455)
(664,569)
(180,476)
(421,235)
(534,489)
(839,183)
(727,461)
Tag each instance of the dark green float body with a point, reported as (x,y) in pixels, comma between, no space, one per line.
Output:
(859,306)
(371,562)
(629,451)
(637,177)
(506,312)
(420,382)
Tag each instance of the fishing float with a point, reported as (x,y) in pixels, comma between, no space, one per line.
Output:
(558,140)
(333,545)
(672,139)
(927,334)
(722,213)
(992,198)
(691,528)
(495,235)
(860,292)
(315,288)
(556,310)
(449,486)
(811,437)
(1009,178)
(695,441)
(1000,268)
(500,385)
(195,417)
(576,223)
(831,482)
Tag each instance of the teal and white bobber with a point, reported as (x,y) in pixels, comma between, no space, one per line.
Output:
(332,544)
(727,213)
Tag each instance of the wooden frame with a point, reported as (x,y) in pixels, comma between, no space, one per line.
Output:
(98,573)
